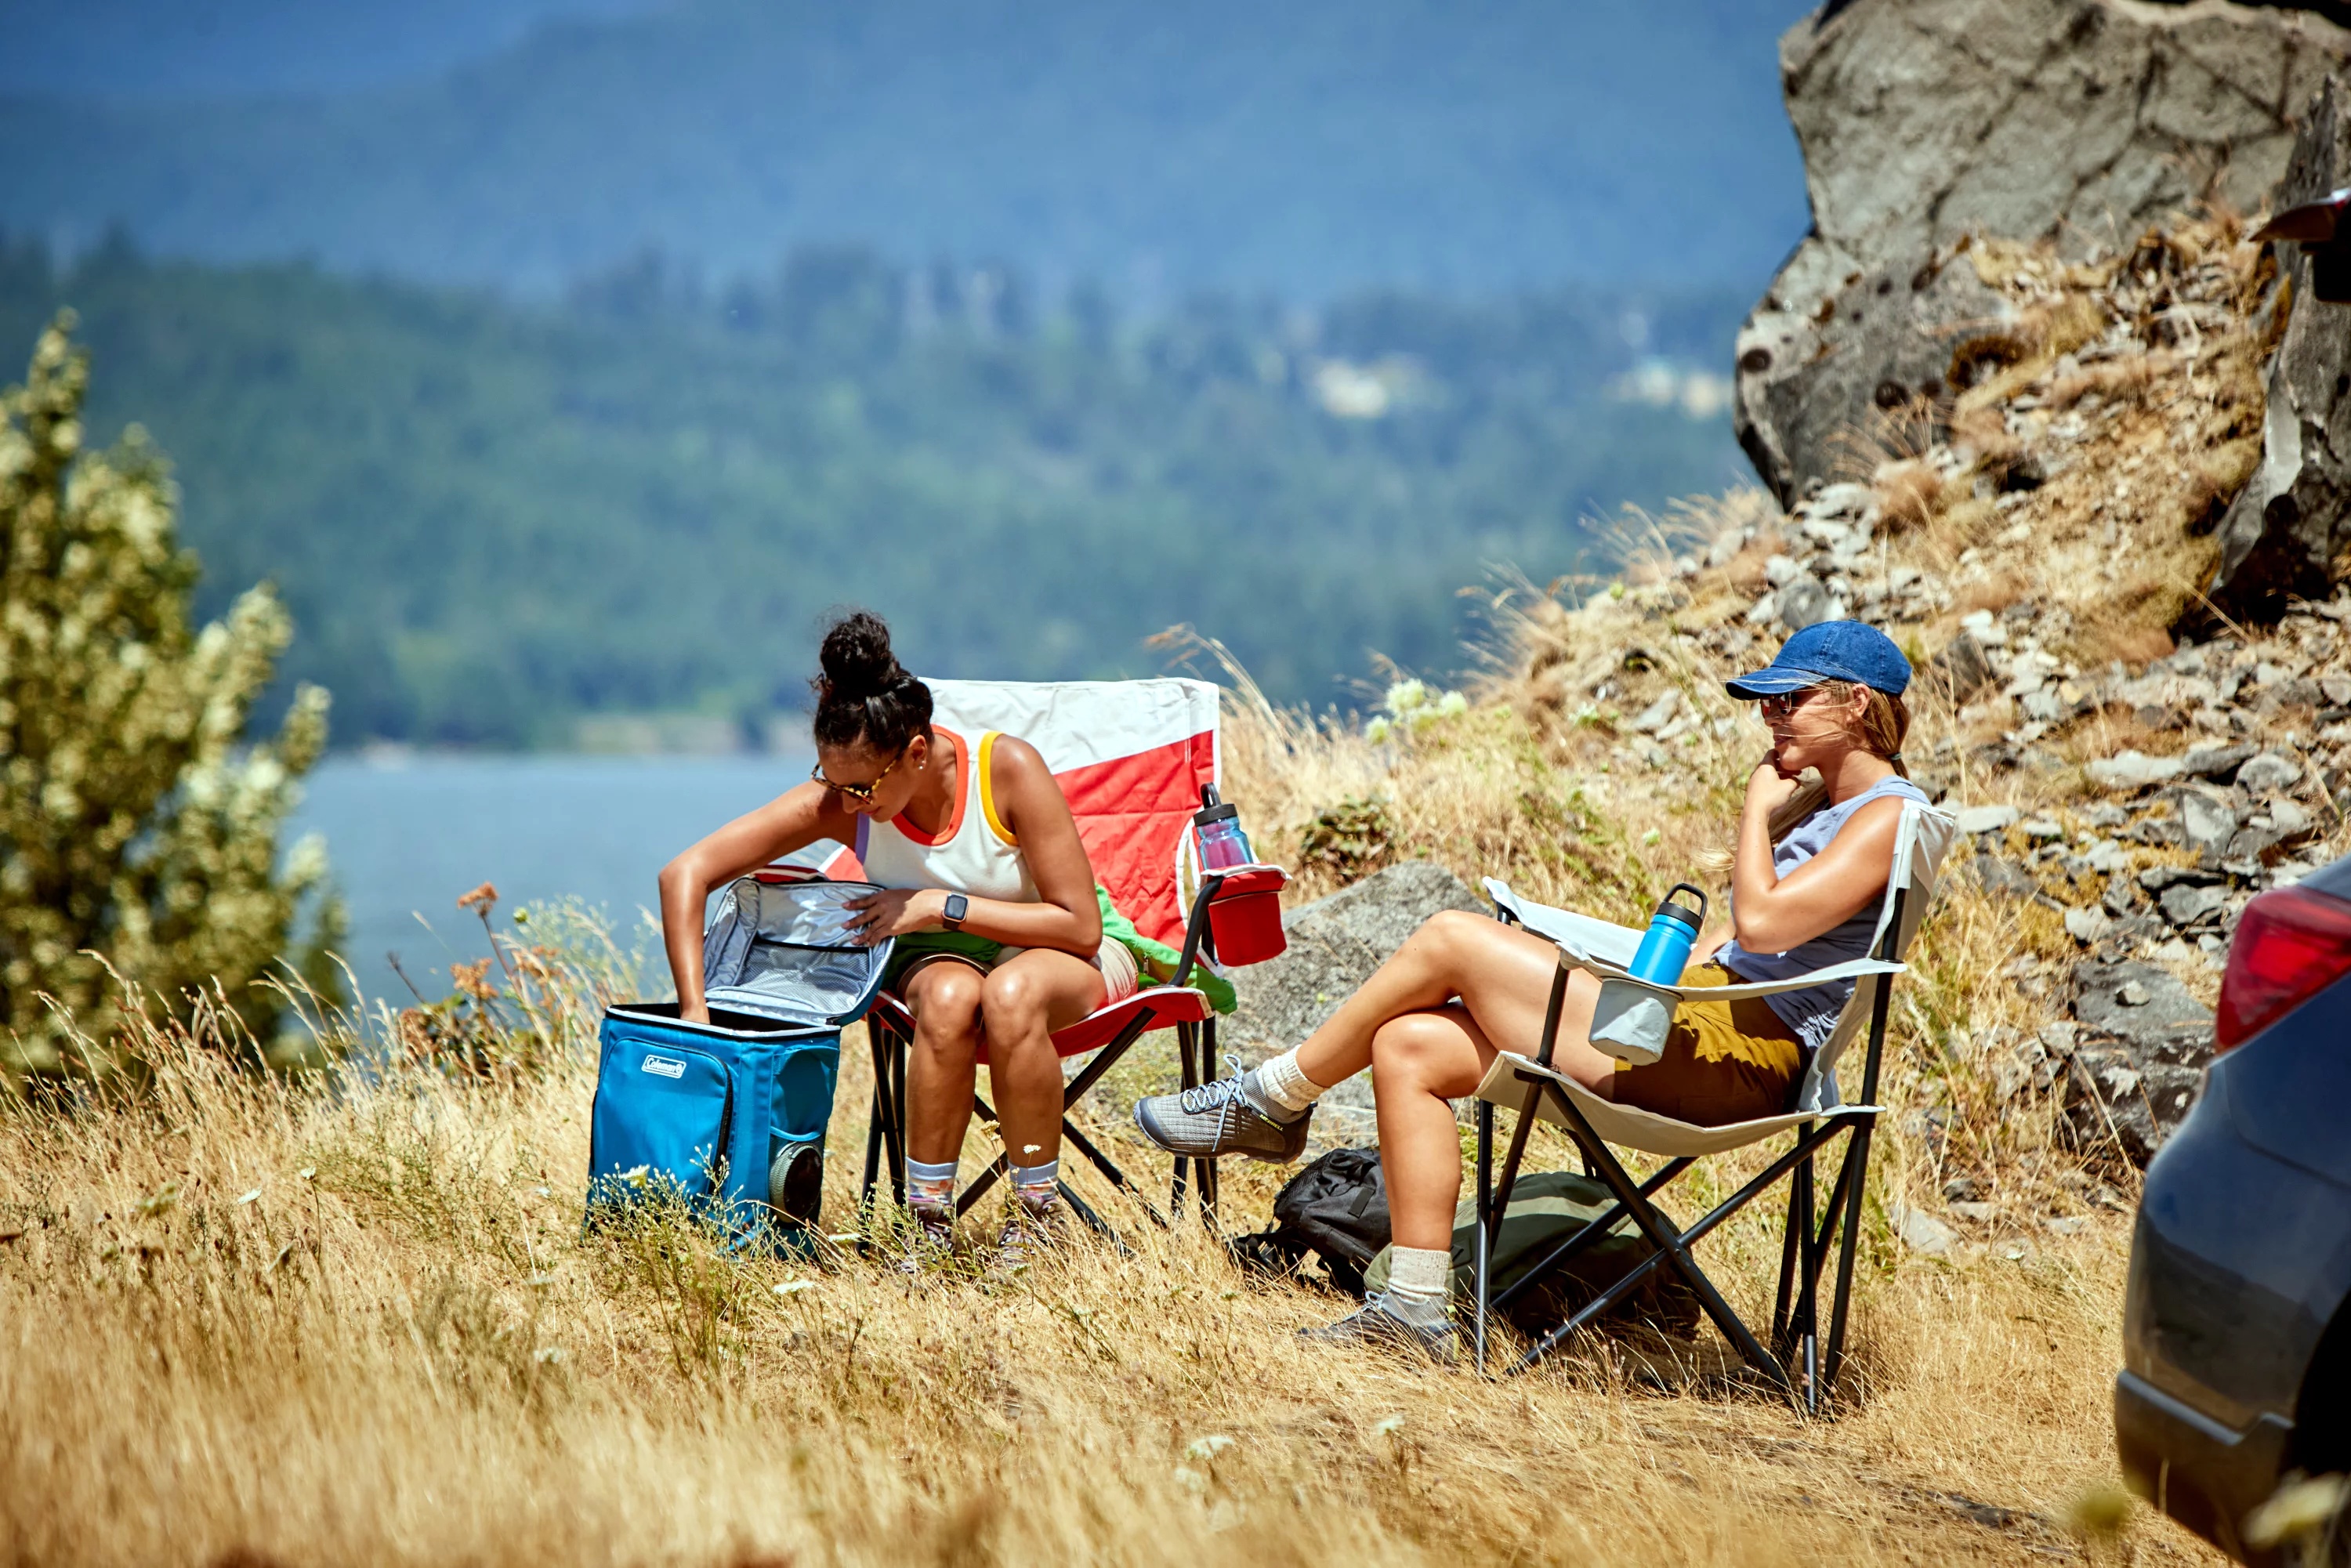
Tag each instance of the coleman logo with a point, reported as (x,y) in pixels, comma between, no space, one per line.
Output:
(668,1067)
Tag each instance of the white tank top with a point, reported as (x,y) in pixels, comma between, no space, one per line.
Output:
(974,854)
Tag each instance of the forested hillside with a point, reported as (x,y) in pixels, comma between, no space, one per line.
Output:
(1311,147)
(489,519)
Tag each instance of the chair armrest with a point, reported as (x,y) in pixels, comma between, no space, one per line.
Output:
(1585,936)
(1852,969)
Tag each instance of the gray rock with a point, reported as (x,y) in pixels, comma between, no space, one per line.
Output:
(2206,821)
(2142,1047)
(2133,770)
(1962,669)
(2004,878)
(2291,522)
(1921,1232)
(1925,120)
(1986,819)
(1805,602)
(1657,714)
(2218,763)
(2086,926)
(2185,905)
(2156,878)
(1335,943)
(2272,770)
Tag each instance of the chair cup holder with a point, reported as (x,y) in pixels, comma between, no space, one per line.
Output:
(1247,927)
(1630,1022)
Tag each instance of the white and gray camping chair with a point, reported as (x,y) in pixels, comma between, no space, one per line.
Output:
(1533,1088)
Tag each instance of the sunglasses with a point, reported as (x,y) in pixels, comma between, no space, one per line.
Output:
(855,791)
(1779,705)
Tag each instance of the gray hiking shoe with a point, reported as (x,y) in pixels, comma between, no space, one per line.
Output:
(1374,1323)
(929,1236)
(1030,1229)
(1222,1118)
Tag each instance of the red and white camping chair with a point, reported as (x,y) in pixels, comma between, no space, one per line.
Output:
(1131,757)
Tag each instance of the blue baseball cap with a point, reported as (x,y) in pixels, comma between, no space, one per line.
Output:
(1829,651)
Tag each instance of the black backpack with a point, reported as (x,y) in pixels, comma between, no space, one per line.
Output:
(1337,1209)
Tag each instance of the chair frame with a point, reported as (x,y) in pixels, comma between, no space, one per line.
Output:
(1795,1335)
(890,1032)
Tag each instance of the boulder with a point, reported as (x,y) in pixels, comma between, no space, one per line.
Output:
(1924,121)
(2142,1046)
(2291,522)
(1335,943)
(1962,669)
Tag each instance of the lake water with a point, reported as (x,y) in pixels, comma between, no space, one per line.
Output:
(407,837)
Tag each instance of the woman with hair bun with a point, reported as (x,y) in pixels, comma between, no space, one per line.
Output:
(987,890)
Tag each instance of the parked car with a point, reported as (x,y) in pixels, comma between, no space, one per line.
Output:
(2236,1337)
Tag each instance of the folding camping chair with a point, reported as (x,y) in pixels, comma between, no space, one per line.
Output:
(1533,1088)
(1131,756)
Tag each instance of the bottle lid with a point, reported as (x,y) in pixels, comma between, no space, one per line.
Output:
(1213,809)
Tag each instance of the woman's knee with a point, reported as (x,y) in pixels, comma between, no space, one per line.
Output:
(1012,1004)
(1423,1050)
(1444,937)
(947,1010)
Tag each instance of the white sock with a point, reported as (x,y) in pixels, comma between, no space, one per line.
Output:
(930,1185)
(1034,1184)
(1420,1285)
(1283,1084)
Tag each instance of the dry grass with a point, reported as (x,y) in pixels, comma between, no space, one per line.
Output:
(402,1350)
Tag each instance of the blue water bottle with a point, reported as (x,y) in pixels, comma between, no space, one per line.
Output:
(1223,845)
(1666,947)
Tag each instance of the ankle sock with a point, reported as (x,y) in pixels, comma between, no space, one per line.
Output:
(1034,1184)
(1420,1286)
(1280,1090)
(930,1185)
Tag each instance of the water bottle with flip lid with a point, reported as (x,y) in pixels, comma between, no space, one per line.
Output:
(1218,827)
(1665,947)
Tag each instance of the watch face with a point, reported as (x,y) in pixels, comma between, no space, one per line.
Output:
(957,905)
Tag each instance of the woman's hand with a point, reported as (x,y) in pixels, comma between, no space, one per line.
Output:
(896,912)
(1769,789)
(693,1012)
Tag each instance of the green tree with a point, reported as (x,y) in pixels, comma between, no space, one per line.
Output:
(138,828)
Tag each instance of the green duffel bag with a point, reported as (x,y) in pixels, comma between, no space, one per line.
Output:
(1546,1209)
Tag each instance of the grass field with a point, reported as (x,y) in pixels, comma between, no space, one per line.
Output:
(246,1323)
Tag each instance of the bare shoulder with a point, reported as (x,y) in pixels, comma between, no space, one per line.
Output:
(1015,762)
(1874,826)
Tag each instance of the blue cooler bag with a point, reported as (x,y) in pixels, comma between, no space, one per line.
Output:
(730,1115)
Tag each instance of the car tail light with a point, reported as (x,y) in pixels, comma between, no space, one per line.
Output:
(2291,944)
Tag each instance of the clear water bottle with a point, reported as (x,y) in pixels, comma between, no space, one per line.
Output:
(1665,947)
(1218,829)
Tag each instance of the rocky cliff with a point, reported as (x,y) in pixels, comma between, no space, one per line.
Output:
(2074,124)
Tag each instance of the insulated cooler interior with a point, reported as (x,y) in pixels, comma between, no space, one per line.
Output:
(784,951)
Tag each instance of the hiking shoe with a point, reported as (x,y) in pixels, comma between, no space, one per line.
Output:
(929,1235)
(1222,1118)
(1375,1324)
(1032,1226)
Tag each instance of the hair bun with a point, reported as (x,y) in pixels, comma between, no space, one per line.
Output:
(856,658)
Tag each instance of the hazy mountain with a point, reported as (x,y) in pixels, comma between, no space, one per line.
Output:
(490,518)
(1305,147)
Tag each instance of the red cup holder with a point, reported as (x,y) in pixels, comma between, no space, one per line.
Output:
(1244,916)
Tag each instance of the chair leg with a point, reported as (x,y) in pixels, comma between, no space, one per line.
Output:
(1857,1168)
(1205,1171)
(1484,1276)
(1187,1066)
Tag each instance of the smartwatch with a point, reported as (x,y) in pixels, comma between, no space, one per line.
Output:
(956,906)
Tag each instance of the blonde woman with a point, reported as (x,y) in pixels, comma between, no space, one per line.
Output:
(1807,877)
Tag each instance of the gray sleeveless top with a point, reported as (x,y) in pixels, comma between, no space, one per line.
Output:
(1813,1011)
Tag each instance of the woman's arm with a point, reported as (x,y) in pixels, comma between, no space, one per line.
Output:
(793,819)
(1037,814)
(1771,913)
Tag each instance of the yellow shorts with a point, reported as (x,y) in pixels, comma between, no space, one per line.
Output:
(1724,1062)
